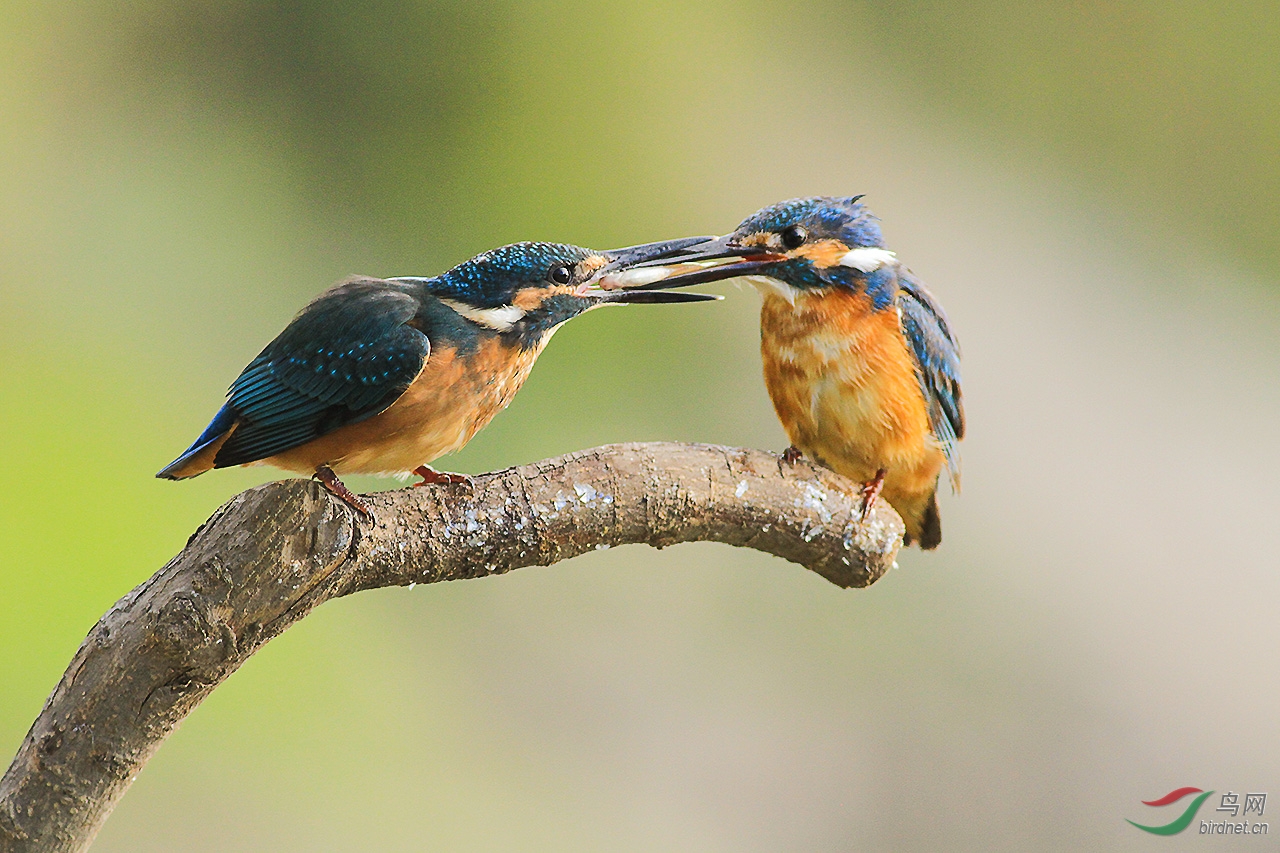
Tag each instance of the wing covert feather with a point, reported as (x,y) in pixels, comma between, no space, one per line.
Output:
(347,356)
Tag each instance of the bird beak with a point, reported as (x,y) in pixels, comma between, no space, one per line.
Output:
(649,297)
(622,260)
(707,259)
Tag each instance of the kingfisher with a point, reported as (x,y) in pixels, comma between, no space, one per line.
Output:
(859,359)
(383,376)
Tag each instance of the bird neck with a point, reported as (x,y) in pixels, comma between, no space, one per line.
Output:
(880,286)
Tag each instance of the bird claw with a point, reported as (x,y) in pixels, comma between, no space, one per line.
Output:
(792,455)
(870,492)
(335,487)
(430,476)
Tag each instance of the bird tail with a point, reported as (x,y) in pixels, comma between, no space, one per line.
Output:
(931,525)
(201,456)
(920,515)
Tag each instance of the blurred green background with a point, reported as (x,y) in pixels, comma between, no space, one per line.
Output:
(1090,188)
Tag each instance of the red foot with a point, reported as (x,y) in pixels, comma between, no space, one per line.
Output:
(430,476)
(792,455)
(871,491)
(334,486)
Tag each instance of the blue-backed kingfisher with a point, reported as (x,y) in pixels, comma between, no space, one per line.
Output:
(861,364)
(382,376)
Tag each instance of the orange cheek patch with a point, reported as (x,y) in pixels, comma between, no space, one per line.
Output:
(823,253)
(531,298)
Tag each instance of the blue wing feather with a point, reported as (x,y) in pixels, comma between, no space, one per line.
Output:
(937,356)
(223,422)
(347,356)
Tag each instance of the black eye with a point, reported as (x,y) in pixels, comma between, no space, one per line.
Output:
(793,236)
(560,274)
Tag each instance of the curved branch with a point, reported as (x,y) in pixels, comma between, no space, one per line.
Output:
(271,554)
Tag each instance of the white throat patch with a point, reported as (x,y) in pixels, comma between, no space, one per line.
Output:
(500,319)
(769,284)
(867,259)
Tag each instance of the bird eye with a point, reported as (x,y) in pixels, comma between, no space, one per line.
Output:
(560,274)
(793,236)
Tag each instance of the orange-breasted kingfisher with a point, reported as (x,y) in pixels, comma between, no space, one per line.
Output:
(382,376)
(859,359)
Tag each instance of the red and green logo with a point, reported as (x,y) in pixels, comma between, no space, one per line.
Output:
(1184,820)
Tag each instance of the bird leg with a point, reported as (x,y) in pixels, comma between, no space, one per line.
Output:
(871,491)
(334,486)
(430,476)
(792,455)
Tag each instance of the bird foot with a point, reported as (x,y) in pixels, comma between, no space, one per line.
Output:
(335,487)
(792,455)
(871,491)
(430,476)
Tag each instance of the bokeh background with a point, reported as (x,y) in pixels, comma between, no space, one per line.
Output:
(1091,190)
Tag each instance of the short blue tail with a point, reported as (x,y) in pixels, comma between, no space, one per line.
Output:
(217,430)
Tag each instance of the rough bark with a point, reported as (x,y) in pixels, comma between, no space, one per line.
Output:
(271,554)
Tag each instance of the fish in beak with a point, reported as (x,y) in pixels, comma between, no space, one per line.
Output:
(697,262)
(648,263)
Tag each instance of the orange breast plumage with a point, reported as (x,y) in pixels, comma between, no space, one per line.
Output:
(844,385)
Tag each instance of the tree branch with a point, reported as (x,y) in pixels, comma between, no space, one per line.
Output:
(271,554)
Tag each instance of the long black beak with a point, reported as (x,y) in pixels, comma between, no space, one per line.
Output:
(671,270)
(652,297)
(651,253)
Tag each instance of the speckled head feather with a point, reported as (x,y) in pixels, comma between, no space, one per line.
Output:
(493,278)
(827,217)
